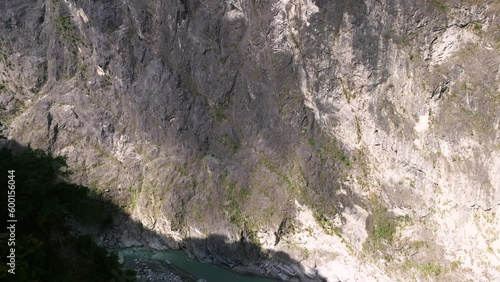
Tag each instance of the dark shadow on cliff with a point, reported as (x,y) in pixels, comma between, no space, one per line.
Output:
(234,255)
(57,223)
(41,244)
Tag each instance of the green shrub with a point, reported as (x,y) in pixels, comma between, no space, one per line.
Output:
(440,5)
(325,224)
(45,248)
(430,269)
(384,226)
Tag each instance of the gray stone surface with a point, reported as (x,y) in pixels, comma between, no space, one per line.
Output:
(214,117)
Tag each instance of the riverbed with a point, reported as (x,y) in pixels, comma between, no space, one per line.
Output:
(175,266)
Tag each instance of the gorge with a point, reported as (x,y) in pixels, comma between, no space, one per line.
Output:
(306,140)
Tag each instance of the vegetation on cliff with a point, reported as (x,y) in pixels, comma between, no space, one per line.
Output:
(46,248)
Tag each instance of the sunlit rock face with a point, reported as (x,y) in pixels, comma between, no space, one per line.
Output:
(358,137)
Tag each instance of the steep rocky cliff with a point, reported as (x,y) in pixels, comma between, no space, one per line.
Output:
(359,137)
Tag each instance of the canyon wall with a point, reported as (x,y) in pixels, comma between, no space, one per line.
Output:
(359,137)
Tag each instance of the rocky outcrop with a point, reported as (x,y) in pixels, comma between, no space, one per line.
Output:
(378,120)
(421,110)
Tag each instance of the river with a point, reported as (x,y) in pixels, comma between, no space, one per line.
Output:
(175,266)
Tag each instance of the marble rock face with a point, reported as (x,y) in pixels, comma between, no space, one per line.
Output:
(339,140)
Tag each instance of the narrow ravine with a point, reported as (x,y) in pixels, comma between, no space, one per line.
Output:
(156,265)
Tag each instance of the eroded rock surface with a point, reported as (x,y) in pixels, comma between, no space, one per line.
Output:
(359,137)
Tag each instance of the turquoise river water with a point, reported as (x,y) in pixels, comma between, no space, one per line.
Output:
(154,265)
